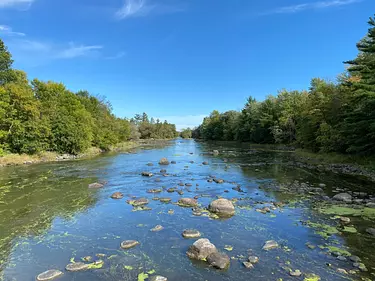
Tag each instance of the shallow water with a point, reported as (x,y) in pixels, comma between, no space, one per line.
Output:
(49,217)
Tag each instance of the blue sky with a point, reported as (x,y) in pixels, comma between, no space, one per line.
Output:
(181,59)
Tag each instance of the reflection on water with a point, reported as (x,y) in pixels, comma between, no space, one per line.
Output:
(49,218)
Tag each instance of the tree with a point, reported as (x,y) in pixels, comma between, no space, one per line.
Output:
(186,133)
(5,63)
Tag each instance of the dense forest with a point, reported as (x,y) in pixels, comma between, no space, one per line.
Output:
(328,117)
(45,116)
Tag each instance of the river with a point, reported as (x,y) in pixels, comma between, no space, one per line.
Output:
(50,218)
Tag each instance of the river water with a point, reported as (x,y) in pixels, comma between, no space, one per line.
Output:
(49,217)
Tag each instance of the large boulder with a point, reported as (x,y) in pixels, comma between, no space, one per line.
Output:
(218,260)
(345,197)
(49,275)
(201,249)
(222,207)
(163,161)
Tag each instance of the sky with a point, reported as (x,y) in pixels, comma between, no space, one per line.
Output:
(180,59)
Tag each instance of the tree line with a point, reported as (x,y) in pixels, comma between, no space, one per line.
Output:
(328,117)
(40,116)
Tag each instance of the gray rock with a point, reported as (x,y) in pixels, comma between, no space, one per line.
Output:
(218,260)
(295,273)
(253,259)
(322,185)
(157,278)
(139,202)
(173,162)
(49,275)
(163,161)
(355,258)
(191,233)
(342,271)
(201,249)
(345,197)
(77,266)
(187,202)
(344,220)
(117,195)
(218,180)
(147,174)
(222,207)
(371,231)
(127,244)
(215,152)
(341,258)
(270,244)
(95,185)
(157,228)
(150,164)
(163,171)
(370,205)
(205,163)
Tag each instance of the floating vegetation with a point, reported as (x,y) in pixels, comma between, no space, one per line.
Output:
(364,212)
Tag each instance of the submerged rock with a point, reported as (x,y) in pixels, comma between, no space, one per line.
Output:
(127,244)
(218,260)
(163,161)
(345,197)
(77,266)
(157,228)
(157,278)
(147,174)
(117,195)
(253,259)
(191,233)
(150,164)
(222,207)
(49,275)
(187,202)
(201,249)
(270,244)
(96,185)
(173,162)
(163,171)
(205,163)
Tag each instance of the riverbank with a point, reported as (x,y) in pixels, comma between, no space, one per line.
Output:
(48,156)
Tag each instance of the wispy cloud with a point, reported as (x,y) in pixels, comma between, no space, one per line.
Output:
(141,8)
(74,51)
(310,6)
(16,3)
(184,121)
(7,31)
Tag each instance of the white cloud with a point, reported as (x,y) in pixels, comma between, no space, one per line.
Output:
(74,51)
(7,31)
(184,121)
(141,8)
(15,3)
(310,6)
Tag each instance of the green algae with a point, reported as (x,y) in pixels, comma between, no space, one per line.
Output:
(338,250)
(350,229)
(323,230)
(366,213)
(128,267)
(142,276)
(311,277)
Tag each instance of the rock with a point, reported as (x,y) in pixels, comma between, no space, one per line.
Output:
(191,233)
(205,163)
(87,258)
(270,244)
(157,228)
(191,162)
(355,258)
(170,212)
(181,184)
(218,260)
(49,275)
(150,164)
(218,180)
(371,231)
(141,208)
(222,207)
(342,271)
(322,185)
(173,162)
(139,202)
(248,265)
(341,258)
(157,180)
(163,161)
(215,152)
(187,202)
(344,220)
(253,259)
(201,249)
(360,266)
(165,200)
(117,195)
(163,171)
(77,266)
(157,278)
(96,185)
(147,174)
(295,273)
(180,192)
(188,184)
(154,190)
(127,244)
(171,190)
(209,180)
(345,197)
(370,205)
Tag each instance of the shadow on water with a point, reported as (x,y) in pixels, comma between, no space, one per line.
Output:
(49,217)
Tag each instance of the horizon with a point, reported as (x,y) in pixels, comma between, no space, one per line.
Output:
(180,60)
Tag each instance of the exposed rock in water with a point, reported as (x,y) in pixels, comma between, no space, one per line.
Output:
(344,220)
(157,228)
(150,164)
(173,162)
(117,195)
(157,278)
(163,171)
(371,231)
(341,271)
(215,152)
(139,202)
(147,174)
(141,208)
(165,200)
(201,249)
(355,258)
(187,202)
(171,190)
(181,184)
(218,180)
(96,185)
(49,275)
(248,265)
(222,207)
(191,233)
(270,244)
(295,273)
(370,205)
(127,244)
(205,163)
(154,190)
(345,197)
(218,260)
(163,161)
(188,184)
(77,266)
(209,180)
(253,259)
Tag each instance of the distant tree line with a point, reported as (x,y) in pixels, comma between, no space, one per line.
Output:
(328,117)
(45,116)
(186,133)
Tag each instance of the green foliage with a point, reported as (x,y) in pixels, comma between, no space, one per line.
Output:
(186,133)
(329,117)
(45,116)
